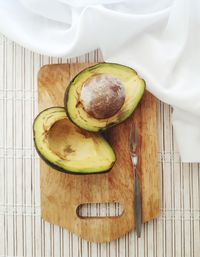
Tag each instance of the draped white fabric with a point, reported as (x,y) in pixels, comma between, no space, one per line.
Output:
(158,38)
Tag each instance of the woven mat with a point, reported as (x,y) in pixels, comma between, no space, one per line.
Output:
(22,232)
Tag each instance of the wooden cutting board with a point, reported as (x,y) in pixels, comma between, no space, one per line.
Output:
(61,194)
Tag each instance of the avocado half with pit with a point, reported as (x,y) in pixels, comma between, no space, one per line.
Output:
(103,95)
(68,148)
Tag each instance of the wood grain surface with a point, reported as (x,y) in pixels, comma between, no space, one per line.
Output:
(61,194)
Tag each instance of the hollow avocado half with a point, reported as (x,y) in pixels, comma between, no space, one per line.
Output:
(68,148)
(134,88)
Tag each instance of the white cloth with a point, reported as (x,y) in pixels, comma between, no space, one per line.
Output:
(158,38)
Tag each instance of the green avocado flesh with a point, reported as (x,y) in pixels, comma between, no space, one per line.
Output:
(69,148)
(134,88)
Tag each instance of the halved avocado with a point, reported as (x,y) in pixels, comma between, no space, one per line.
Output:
(67,148)
(123,79)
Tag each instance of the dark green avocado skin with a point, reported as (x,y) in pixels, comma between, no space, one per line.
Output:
(66,98)
(56,167)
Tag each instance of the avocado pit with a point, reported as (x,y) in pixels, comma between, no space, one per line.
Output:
(102,96)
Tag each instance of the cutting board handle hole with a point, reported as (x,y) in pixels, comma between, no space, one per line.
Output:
(91,210)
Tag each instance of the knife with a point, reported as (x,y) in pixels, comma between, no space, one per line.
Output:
(133,148)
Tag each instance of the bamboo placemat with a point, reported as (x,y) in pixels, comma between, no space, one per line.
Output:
(22,232)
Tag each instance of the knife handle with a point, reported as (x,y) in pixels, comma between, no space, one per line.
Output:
(137,205)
